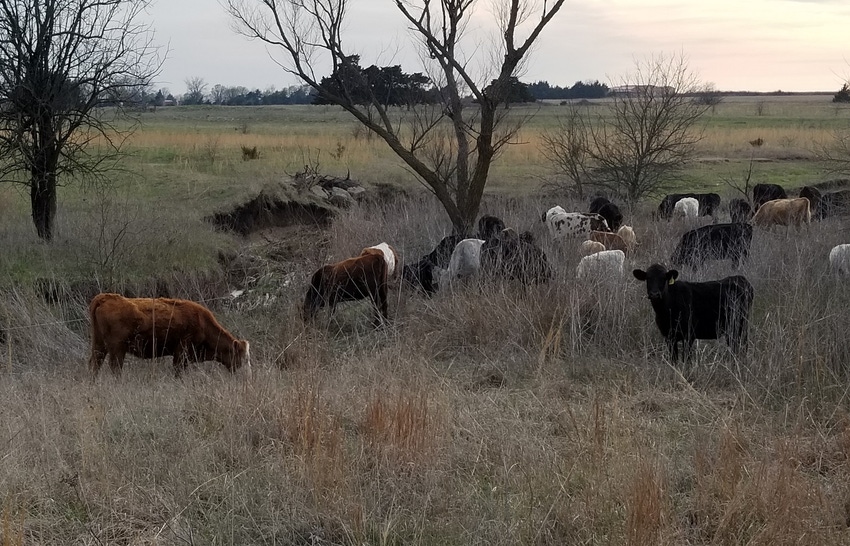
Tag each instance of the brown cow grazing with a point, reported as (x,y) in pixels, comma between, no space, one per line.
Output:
(364,276)
(784,212)
(157,327)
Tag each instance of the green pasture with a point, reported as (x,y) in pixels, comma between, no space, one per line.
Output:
(184,163)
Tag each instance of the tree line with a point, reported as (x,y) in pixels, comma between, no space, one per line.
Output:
(72,74)
(389,85)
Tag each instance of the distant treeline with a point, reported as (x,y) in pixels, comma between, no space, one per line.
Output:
(542,90)
(304,94)
(393,87)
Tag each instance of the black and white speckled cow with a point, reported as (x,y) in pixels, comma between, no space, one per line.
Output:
(563,224)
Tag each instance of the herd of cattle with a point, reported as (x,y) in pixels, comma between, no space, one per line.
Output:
(684,311)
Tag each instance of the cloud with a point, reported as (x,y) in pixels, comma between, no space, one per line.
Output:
(755,45)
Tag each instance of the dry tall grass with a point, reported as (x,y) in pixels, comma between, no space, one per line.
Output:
(492,414)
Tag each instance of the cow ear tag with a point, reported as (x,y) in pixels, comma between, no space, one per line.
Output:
(671,281)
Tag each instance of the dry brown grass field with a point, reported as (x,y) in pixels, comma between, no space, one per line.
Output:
(492,413)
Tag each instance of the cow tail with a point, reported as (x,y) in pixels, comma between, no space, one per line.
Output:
(93,307)
(95,331)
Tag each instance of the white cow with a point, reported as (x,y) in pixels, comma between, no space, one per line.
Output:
(602,265)
(391,257)
(563,224)
(839,259)
(465,261)
(687,208)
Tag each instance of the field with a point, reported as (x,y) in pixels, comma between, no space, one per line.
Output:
(490,414)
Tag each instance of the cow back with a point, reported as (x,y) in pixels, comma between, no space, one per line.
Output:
(597,203)
(714,242)
(762,193)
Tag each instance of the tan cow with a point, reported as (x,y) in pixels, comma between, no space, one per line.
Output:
(784,212)
(623,240)
(591,247)
(157,327)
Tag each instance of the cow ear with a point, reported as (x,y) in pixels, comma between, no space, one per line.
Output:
(639,274)
(671,276)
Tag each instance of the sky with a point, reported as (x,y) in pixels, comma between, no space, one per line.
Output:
(736,45)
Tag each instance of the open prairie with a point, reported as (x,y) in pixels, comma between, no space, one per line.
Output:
(491,413)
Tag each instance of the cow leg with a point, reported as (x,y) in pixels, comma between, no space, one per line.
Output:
(674,350)
(379,302)
(116,361)
(98,353)
(687,349)
(180,360)
(737,336)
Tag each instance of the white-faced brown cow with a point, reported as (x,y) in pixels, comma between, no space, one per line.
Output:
(394,266)
(157,327)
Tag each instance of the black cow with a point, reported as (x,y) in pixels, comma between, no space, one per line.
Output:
(714,242)
(740,210)
(813,194)
(685,311)
(708,203)
(611,213)
(762,193)
(420,275)
(834,203)
(489,226)
(515,257)
(597,202)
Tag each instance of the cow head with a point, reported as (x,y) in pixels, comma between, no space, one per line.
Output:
(489,226)
(315,298)
(441,255)
(657,279)
(598,223)
(238,356)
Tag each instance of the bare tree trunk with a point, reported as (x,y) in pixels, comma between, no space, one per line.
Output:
(61,63)
(43,203)
(455,168)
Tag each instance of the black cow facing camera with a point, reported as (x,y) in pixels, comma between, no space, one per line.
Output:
(685,311)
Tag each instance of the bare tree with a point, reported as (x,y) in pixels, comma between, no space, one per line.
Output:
(652,131)
(836,153)
(196,89)
(61,63)
(743,186)
(709,96)
(218,94)
(645,136)
(450,146)
(566,147)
